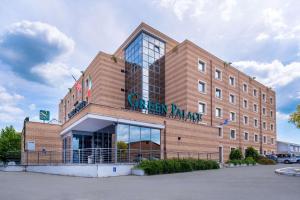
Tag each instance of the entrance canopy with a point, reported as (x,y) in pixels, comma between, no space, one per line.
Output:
(93,122)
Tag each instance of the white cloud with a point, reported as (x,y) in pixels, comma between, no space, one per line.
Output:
(226,8)
(8,98)
(9,110)
(32,107)
(261,37)
(58,75)
(274,74)
(282,116)
(273,18)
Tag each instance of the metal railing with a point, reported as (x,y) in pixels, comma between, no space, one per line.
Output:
(107,155)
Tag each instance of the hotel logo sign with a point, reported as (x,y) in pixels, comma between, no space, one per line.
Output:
(172,110)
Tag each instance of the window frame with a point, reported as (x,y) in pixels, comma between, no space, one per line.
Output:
(204,86)
(200,60)
(205,107)
(221,93)
(221,112)
(221,74)
(232,129)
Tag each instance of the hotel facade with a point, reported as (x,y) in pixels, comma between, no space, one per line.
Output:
(157,98)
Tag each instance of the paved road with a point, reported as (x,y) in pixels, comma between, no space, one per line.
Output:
(259,182)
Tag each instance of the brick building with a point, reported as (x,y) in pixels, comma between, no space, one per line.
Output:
(157,91)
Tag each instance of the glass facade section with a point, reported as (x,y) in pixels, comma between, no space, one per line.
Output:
(137,143)
(144,66)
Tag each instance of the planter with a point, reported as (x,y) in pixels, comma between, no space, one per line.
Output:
(138,172)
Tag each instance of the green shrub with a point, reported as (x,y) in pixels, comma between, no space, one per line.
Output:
(250,161)
(236,154)
(176,165)
(265,161)
(251,152)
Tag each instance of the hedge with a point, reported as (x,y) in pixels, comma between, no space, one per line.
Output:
(247,161)
(265,161)
(168,166)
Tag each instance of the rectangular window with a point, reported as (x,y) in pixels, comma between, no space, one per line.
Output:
(218,93)
(245,87)
(264,111)
(246,120)
(232,98)
(245,104)
(201,65)
(218,112)
(255,107)
(255,92)
(220,131)
(264,97)
(232,81)
(264,125)
(232,116)
(232,134)
(265,139)
(271,113)
(271,100)
(272,127)
(201,107)
(272,140)
(218,74)
(255,123)
(201,87)
(255,138)
(246,135)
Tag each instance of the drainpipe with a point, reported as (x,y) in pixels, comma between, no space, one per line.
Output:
(165,140)
(239,89)
(260,123)
(211,93)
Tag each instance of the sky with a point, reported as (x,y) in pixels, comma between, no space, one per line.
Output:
(44,43)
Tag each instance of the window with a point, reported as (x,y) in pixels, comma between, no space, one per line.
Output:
(255,92)
(232,98)
(218,93)
(246,120)
(255,138)
(232,134)
(264,97)
(220,131)
(218,74)
(264,111)
(232,81)
(255,123)
(245,103)
(272,127)
(265,139)
(255,107)
(264,125)
(271,113)
(245,87)
(201,87)
(271,100)
(218,112)
(272,140)
(201,65)
(246,135)
(232,148)
(31,146)
(232,116)
(201,107)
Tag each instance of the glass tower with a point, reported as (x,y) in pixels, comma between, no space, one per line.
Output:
(144,64)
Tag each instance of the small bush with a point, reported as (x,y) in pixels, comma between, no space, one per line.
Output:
(265,161)
(236,154)
(251,152)
(250,161)
(176,165)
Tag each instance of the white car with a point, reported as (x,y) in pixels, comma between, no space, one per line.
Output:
(286,158)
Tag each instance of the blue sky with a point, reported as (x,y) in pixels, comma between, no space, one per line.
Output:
(43,42)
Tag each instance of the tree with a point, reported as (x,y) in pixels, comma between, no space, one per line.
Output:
(236,154)
(295,117)
(10,144)
(251,152)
